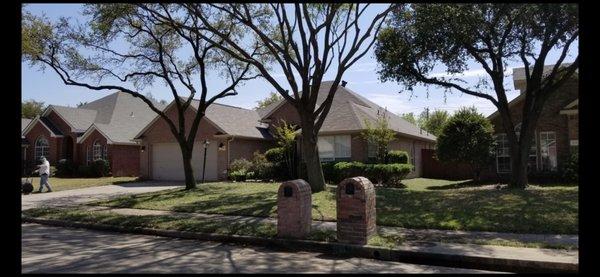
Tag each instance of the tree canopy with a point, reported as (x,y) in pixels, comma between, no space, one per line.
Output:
(132,47)
(467,137)
(31,108)
(272,98)
(422,38)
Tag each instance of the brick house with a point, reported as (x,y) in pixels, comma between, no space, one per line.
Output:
(100,129)
(556,134)
(233,132)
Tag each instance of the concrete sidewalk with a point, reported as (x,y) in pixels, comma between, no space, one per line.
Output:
(412,236)
(49,249)
(84,195)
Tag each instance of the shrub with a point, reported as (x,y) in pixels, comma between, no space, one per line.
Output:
(84,171)
(262,168)
(52,171)
(240,164)
(467,137)
(397,157)
(65,168)
(100,168)
(237,175)
(388,174)
(571,168)
(275,155)
(329,172)
(343,170)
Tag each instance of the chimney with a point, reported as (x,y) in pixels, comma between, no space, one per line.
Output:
(344,83)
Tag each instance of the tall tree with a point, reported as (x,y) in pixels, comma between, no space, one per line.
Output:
(422,37)
(410,117)
(305,42)
(379,134)
(433,122)
(467,137)
(81,104)
(272,98)
(128,47)
(31,108)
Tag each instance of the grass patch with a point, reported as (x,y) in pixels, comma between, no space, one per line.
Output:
(60,184)
(247,228)
(537,209)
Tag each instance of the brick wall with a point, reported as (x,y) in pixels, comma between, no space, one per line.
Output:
(59,123)
(286,112)
(294,209)
(125,160)
(86,146)
(550,119)
(38,131)
(356,218)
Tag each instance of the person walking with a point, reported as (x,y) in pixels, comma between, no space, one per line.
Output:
(44,171)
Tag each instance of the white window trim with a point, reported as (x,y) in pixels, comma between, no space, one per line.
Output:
(335,154)
(503,156)
(555,147)
(96,150)
(36,148)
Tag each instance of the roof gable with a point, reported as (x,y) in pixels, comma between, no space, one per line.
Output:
(349,110)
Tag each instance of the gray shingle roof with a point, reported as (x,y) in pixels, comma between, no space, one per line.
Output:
(51,126)
(78,118)
(519,73)
(236,121)
(24,123)
(349,110)
(262,112)
(120,116)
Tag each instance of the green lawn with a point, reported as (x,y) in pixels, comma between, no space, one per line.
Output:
(59,184)
(424,203)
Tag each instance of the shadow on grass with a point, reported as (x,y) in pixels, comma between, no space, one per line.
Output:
(465,184)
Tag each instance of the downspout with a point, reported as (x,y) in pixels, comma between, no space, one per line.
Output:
(229,153)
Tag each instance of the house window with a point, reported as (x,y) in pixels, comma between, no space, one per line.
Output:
(548,151)
(88,156)
(42,148)
(371,150)
(574,143)
(532,163)
(334,147)
(97,150)
(502,154)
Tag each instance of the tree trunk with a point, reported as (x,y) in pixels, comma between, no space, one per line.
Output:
(519,173)
(190,182)
(310,154)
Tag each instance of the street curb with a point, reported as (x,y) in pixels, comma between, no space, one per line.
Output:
(339,249)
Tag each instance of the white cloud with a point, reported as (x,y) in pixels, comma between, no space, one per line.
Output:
(468,73)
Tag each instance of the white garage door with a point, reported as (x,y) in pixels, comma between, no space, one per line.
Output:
(167,163)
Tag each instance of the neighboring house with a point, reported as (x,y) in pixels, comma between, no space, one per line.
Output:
(556,133)
(24,143)
(102,129)
(234,133)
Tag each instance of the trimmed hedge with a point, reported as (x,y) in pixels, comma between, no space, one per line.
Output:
(100,168)
(397,157)
(237,175)
(65,168)
(387,174)
(275,155)
(240,164)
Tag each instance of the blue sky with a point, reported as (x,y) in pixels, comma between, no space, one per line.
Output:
(362,78)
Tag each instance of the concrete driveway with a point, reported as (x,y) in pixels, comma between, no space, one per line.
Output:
(46,249)
(80,196)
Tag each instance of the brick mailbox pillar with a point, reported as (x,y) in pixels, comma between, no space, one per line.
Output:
(294,209)
(355,210)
